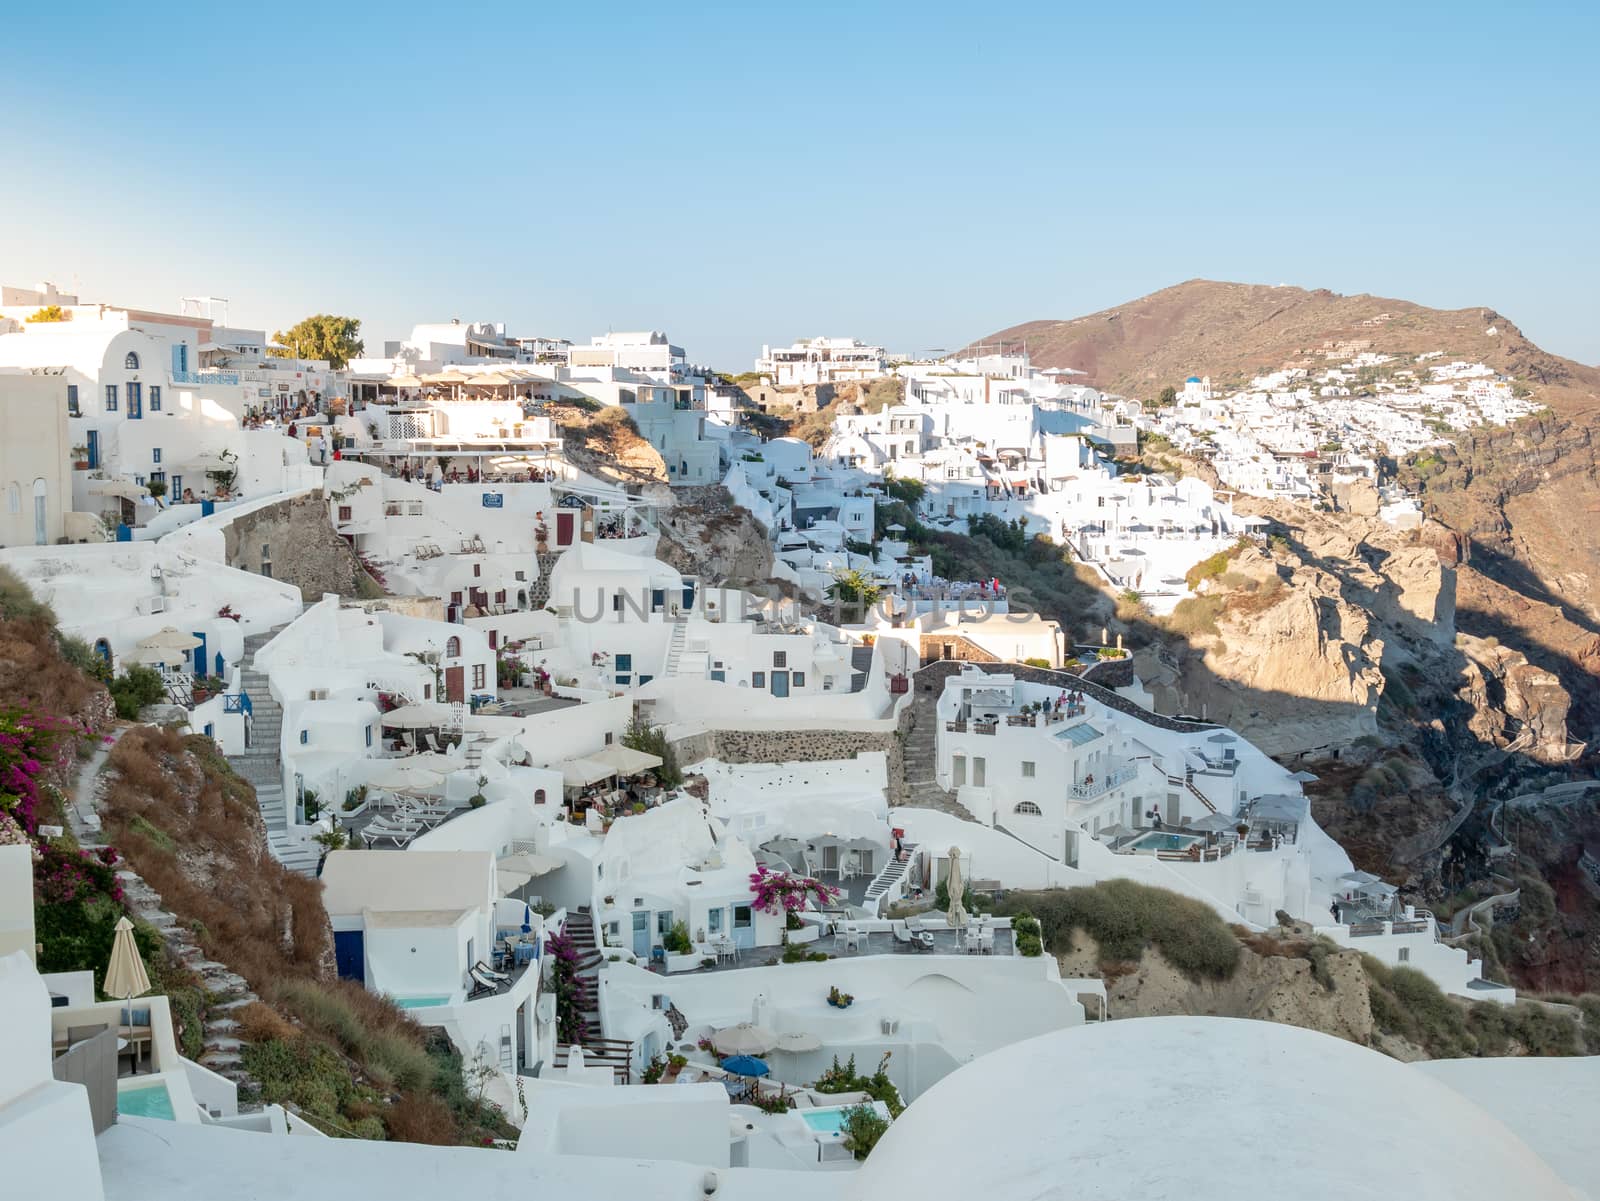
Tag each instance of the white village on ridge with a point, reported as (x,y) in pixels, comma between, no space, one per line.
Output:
(656,762)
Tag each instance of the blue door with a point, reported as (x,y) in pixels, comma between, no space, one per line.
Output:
(744,927)
(135,401)
(641,933)
(658,599)
(780,683)
(200,654)
(350,955)
(94,449)
(688,596)
(218,671)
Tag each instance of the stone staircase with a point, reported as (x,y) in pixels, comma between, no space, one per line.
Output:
(860,667)
(260,763)
(598,1050)
(539,594)
(920,750)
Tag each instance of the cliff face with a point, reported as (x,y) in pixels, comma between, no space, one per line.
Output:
(704,533)
(1270,988)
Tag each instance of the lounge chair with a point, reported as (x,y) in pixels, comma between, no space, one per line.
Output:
(485,979)
(486,970)
(917,940)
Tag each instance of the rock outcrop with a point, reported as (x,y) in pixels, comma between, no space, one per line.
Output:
(1273,988)
(704,533)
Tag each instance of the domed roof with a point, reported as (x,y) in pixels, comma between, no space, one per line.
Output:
(1197,1108)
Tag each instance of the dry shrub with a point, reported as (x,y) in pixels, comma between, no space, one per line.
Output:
(32,674)
(421,1119)
(260,1023)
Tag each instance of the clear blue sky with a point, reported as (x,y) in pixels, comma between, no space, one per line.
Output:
(915,174)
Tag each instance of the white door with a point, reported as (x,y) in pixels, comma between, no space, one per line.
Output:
(978,765)
(958,771)
(41,524)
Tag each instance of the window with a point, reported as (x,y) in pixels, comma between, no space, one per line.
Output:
(1405,954)
(713,921)
(369,735)
(758,679)
(719,675)
(616,602)
(741,917)
(663,921)
(799,679)
(477,569)
(452,648)
(72,401)
(538,796)
(624,662)
(478,674)
(131,363)
(305,737)
(500,597)
(344,512)
(155,398)
(780,658)
(155,454)
(1028,809)
(1027,769)
(111,398)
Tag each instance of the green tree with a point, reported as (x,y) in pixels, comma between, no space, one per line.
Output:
(50,312)
(852,584)
(336,339)
(1167,396)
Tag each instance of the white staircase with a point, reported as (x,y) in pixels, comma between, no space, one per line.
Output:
(885,880)
(680,636)
(260,765)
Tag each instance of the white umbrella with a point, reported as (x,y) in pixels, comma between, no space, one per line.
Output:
(125,974)
(397,774)
(424,715)
(744,1039)
(166,646)
(508,881)
(797,1042)
(956,915)
(533,865)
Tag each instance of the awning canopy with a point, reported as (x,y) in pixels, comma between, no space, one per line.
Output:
(580,771)
(125,489)
(626,761)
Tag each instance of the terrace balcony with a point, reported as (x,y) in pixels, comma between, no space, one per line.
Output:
(1100,785)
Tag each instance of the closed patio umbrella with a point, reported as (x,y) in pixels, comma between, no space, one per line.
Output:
(744,1039)
(126,977)
(956,915)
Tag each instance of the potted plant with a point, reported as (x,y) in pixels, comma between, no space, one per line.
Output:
(477,800)
(157,489)
(80,458)
(839,1000)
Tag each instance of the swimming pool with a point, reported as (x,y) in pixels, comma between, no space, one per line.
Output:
(420,1002)
(1158,840)
(831,1119)
(146,1101)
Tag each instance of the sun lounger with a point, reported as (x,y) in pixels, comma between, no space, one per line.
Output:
(486,978)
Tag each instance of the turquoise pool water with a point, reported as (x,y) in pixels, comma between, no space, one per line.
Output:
(824,1121)
(1156,840)
(146,1101)
(420,1002)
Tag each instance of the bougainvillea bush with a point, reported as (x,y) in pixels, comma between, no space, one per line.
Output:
(30,743)
(785,892)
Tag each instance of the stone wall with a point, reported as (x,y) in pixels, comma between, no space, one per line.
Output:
(954,648)
(294,541)
(799,746)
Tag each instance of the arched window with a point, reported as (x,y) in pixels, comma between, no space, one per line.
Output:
(1028,809)
(538,796)
(131,362)
(452,648)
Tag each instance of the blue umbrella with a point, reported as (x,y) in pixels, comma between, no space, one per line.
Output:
(745,1065)
(527,918)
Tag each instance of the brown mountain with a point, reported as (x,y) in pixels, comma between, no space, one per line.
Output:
(1522,504)
(1234,331)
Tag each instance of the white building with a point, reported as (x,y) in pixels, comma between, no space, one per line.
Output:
(822,361)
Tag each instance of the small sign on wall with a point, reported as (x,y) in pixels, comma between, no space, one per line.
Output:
(493,500)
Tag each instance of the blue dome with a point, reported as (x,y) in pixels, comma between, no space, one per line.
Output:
(1193,379)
